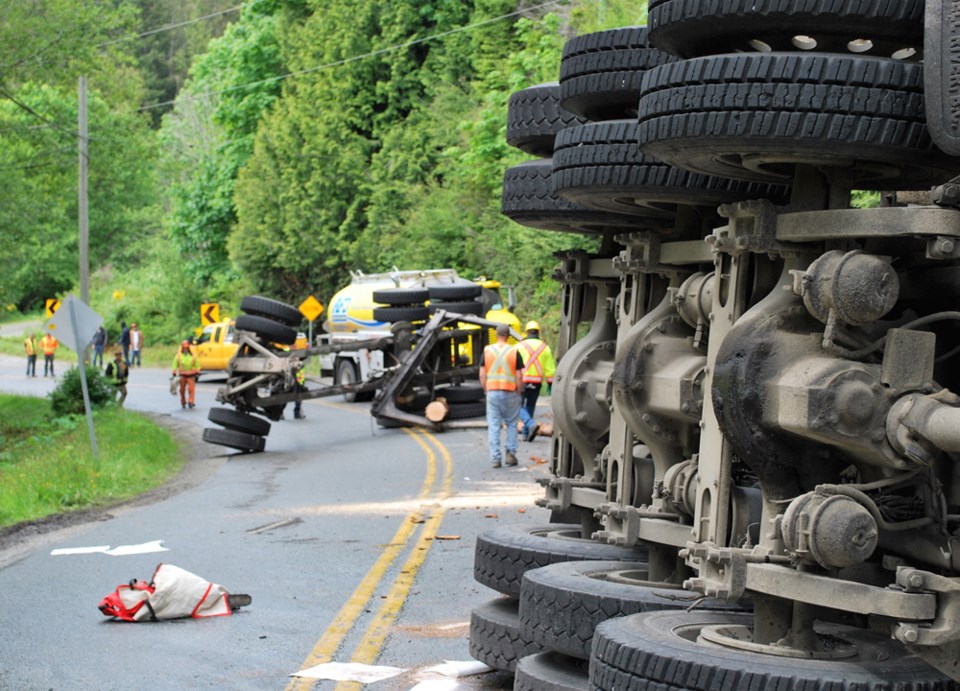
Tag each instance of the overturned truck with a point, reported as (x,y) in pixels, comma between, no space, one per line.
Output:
(422,362)
(756,415)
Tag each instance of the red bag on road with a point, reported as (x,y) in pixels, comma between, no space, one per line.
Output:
(173,593)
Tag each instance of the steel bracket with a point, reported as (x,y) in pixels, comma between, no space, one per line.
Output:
(945,626)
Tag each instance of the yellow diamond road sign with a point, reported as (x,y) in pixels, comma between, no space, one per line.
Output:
(311,308)
(52,305)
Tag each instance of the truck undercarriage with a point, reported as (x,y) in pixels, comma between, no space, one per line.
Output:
(754,398)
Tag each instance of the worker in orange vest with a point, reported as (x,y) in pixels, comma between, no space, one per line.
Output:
(501,380)
(48,344)
(187,365)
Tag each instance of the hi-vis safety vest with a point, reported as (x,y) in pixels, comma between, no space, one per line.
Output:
(500,363)
(48,344)
(538,362)
(31,346)
(186,364)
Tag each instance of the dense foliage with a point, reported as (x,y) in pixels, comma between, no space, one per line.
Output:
(67,397)
(307,139)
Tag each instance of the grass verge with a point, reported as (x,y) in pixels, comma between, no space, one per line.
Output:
(47,465)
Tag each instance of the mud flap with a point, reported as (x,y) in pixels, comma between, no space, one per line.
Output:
(941,73)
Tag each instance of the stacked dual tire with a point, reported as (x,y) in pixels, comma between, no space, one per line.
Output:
(503,557)
(274,323)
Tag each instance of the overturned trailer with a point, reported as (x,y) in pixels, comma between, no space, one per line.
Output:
(756,416)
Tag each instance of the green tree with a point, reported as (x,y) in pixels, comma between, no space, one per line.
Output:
(40,203)
(172,33)
(210,135)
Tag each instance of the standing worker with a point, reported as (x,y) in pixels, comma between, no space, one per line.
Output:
(125,341)
(136,343)
(48,344)
(119,372)
(538,367)
(187,365)
(500,378)
(30,345)
(99,343)
(300,385)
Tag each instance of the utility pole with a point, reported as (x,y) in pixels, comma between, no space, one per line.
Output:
(83,220)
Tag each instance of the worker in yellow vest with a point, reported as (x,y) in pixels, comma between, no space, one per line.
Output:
(187,365)
(30,345)
(538,368)
(48,344)
(500,378)
(300,385)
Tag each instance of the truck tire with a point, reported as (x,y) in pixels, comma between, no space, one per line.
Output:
(528,200)
(466,307)
(562,604)
(401,314)
(601,73)
(464,411)
(467,392)
(755,117)
(502,555)
(390,423)
(550,671)
(239,422)
(247,443)
(695,28)
(267,329)
(347,374)
(271,309)
(651,649)
(534,117)
(495,635)
(600,165)
(401,296)
(455,291)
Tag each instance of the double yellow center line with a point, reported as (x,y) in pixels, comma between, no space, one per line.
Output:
(377,630)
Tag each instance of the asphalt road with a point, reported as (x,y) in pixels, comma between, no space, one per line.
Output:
(356,544)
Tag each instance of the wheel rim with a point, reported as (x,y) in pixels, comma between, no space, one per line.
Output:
(741,638)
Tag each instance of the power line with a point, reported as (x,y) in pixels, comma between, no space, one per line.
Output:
(169,27)
(345,61)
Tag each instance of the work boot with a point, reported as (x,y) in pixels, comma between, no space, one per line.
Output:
(495,464)
(532,434)
(511,458)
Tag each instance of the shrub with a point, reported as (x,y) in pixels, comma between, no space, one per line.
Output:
(67,397)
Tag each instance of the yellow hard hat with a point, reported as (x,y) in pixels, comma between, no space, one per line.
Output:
(532,326)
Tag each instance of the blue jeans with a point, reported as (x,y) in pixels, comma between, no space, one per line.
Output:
(135,357)
(528,406)
(98,355)
(503,408)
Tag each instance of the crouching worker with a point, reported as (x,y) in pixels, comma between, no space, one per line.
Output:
(118,372)
(187,365)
